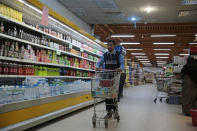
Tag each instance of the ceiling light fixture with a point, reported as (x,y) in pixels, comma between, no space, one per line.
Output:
(142,59)
(122,36)
(138,53)
(162,49)
(184,54)
(129,43)
(141,56)
(134,49)
(161,54)
(192,43)
(145,61)
(148,9)
(161,57)
(164,43)
(163,35)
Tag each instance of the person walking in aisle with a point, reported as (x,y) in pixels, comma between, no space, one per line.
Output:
(115,61)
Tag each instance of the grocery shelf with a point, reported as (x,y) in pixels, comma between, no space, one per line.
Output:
(41,46)
(42,63)
(42,32)
(24,76)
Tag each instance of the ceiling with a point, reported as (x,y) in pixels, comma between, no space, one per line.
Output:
(177,17)
(185,33)
(119,11)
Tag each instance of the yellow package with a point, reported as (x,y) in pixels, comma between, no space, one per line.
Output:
(11,13)
(14,14)
(8,11)
(4,10)
(1,8)
(21,17)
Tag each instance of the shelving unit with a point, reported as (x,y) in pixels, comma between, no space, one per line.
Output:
(41,63)
(53,95)
(43,33)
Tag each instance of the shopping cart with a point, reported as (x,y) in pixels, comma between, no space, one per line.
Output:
(163,85)
(105,85)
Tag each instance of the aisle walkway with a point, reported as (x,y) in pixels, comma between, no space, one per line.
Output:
(138,112)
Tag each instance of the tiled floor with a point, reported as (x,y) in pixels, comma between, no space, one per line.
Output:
(137,111)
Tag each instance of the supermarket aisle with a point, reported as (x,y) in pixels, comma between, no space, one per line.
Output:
(137,113)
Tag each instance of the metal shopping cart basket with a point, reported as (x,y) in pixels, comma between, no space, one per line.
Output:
(105,84)
(162,88)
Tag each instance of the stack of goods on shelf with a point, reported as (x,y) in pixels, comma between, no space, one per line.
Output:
(178,63)
(11,13)
(33,88)
(149,77)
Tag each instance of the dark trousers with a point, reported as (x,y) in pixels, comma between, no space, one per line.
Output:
(110,104)
(122,81)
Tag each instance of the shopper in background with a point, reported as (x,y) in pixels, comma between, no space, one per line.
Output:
(189,96)
(111,60)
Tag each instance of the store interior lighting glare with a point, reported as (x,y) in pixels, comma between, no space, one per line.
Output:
(148,9)
(162,49)
(126,36)
(129,43)
(163,43)
(161,54)
(164,35)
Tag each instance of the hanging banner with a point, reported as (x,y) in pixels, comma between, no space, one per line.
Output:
(45,16)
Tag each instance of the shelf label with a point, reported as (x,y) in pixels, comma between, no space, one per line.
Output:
(58,52)
(70,46)
(81,50)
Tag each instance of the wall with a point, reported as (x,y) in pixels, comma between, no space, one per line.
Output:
(60,9)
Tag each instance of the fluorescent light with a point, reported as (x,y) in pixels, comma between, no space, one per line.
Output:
(129,43)
(141,56)
(133,19)
(164,43)
(184,54)
(138,53)
(134,49)
(162,49)
(164,35)
(192,43)
(148,9)
(162,57)
(105,43)
(143,59)
(186,49)
(161,61)
(122,36)
(161,54)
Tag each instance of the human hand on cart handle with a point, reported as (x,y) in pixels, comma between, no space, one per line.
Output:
(118,70)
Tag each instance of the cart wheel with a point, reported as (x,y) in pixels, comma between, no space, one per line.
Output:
(106,124)
(118,119)
(94,124)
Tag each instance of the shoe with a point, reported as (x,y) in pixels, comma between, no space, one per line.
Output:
(108,115)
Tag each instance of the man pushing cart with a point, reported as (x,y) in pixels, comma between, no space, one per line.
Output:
(107,82)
